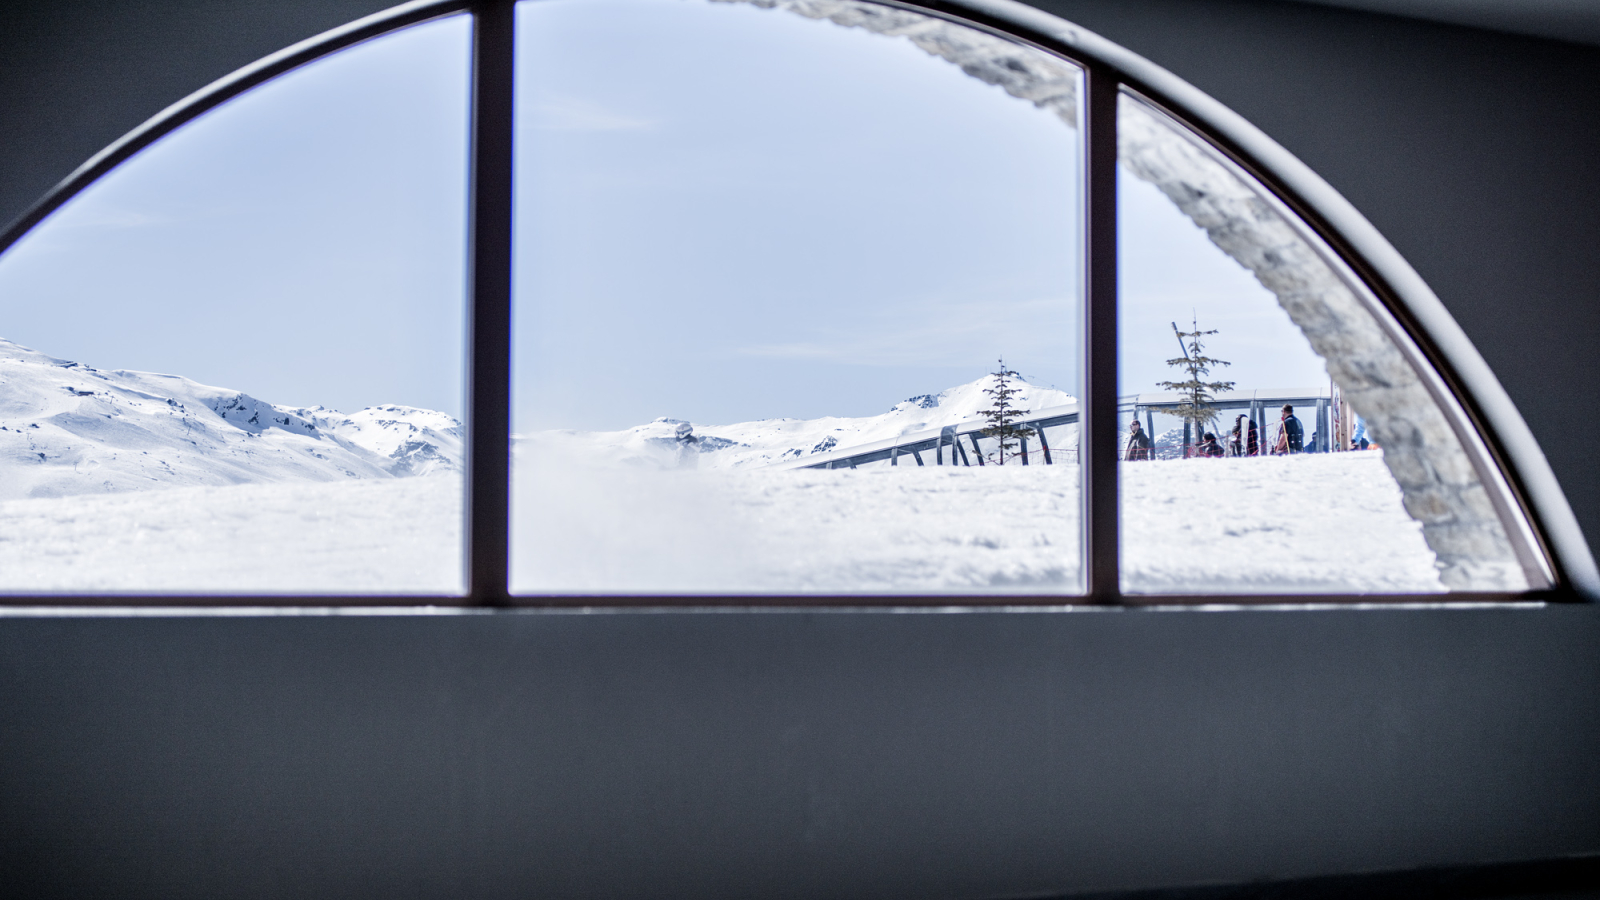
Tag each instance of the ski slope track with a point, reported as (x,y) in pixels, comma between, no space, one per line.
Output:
(69,429)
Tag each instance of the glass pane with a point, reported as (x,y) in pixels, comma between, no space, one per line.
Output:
(233,365)
(1276,436)
(768,259)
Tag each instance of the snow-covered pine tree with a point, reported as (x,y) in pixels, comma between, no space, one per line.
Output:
(1196,405)
(1002,415)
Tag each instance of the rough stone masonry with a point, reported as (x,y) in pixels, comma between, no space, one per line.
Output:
(1441,490)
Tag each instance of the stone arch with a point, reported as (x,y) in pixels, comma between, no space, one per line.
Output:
(1440,487)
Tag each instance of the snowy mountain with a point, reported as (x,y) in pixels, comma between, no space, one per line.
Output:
(67,428)
(271,498)
(411,441)
(768,441)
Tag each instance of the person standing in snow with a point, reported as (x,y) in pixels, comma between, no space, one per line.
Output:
(1209,446)
(1138,443)
(688,446)
(1236,439)
(1358,441)
(1252,442)
(1291,436)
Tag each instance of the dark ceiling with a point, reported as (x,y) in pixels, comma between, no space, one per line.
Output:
(1562,20)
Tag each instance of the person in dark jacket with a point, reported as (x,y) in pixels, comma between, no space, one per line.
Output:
(1252,441)
(1209,446)
(1138,443)
(1291,436)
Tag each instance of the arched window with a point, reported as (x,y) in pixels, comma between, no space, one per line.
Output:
(739,301)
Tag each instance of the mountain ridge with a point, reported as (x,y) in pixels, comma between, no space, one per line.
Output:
(67,428)
(766,441)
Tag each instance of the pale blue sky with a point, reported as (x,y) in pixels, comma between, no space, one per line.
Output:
(724,213)
(728,213)
(302,243)
(1171,272)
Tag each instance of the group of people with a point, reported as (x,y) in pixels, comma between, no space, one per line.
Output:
(1244,441)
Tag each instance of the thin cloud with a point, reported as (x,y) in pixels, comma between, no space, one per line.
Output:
(562,113)
(932,334)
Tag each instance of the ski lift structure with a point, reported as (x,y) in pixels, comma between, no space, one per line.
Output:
(1325,418)
(956,438)
(1318,408)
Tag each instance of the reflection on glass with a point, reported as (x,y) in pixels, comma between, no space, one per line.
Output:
(293,262)
(767,265)
(1277,438)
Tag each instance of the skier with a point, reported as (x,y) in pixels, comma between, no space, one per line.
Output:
(1138,443)
(1209,446)
(1291,437)
(1235,441)
(1252,443)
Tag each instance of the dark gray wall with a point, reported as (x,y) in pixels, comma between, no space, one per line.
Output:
(837,754)
(76,75)
(787,754)
(1562,20)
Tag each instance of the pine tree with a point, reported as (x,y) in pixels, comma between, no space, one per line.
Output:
(1196,406)
(1002,415)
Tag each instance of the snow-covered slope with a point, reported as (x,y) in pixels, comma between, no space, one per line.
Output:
(411,441)
(355,536)
(269,499)
(767,441)
(1319,523)
(67,428)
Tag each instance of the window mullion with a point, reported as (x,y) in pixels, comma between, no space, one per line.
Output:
(1101,548)
(489,305)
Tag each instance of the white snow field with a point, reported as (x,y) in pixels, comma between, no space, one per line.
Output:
(1326,524)
(1316,523)
(584,528)
(115,482)
(336,537)
(1197,526)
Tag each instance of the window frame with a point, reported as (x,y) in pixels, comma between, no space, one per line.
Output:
(1494,435)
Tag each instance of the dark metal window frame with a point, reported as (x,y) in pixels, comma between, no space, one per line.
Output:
(1491,429)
